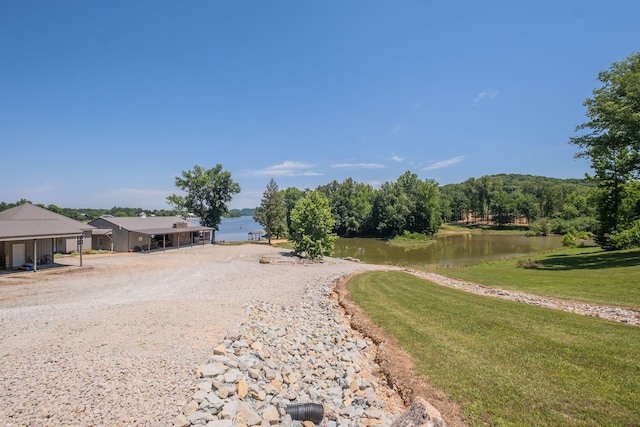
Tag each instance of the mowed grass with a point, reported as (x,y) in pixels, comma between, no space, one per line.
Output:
(509,363)
(580,274)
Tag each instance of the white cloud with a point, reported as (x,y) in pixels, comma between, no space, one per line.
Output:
(396,158)
(358,166)
(397,128)
(443,163)
(288,168)
(485,94)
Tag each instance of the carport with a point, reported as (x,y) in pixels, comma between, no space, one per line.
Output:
(195,235)
(29,234)
(145,233)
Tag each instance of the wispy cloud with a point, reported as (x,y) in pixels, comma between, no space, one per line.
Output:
(358,166)
(485,94)
(288,168)
(397,128)
(444,163)
(135,192)
(396,158)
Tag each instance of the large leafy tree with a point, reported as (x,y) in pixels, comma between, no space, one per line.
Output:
(427,216)
(612,139)
(409,204)
(390,210)
(207,193)
(351,204)
(291,196)
(502,207)
(312,226)
(272,212)
(527,206)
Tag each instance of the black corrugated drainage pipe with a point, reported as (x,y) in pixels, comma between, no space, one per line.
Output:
(306,412)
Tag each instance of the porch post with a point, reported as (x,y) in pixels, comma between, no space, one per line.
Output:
(35,255)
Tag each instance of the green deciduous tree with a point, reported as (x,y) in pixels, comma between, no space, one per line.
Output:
(351,204)
(612,141)
(390,210)
(502,207)
(527,206)
(409,204)
(207,193)
(272,212)
(312,226)
(291,196)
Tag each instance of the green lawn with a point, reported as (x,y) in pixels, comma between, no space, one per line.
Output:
(581,274)
(508,363)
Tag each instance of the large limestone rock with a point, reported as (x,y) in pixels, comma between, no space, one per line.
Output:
(420,414)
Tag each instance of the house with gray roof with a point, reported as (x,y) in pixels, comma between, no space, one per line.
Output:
(145,233)
(30,235)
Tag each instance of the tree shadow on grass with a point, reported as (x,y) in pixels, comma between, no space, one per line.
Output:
(588,261)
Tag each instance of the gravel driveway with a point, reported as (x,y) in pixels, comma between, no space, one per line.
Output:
(117,342)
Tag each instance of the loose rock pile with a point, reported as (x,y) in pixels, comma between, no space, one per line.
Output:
(281,356)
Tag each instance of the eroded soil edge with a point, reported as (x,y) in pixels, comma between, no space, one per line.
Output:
(397,366)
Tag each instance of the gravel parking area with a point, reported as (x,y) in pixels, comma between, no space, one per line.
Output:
(117,342)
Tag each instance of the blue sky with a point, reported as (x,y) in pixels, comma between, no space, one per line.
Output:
(104,103)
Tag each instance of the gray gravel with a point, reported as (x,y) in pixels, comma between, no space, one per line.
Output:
(117,342)
(281,357)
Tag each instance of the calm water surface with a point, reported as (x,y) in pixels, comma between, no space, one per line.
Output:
(455,250)
(236,229)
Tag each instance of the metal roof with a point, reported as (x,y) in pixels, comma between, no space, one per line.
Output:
(154,224)
(172,230)
(33,222)
(101,231)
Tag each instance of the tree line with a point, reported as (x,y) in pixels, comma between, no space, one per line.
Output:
(544,204)
(413,205)
(88,214)
(406,205)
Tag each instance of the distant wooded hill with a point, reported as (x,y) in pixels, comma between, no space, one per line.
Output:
(234,213)
(504,197)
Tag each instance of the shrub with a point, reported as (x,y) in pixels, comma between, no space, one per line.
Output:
(624,239)
(409,236)
(527,264)
(570,238)
(541,227)
(563,226)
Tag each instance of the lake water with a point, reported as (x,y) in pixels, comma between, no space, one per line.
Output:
(454,250)
(236,229)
